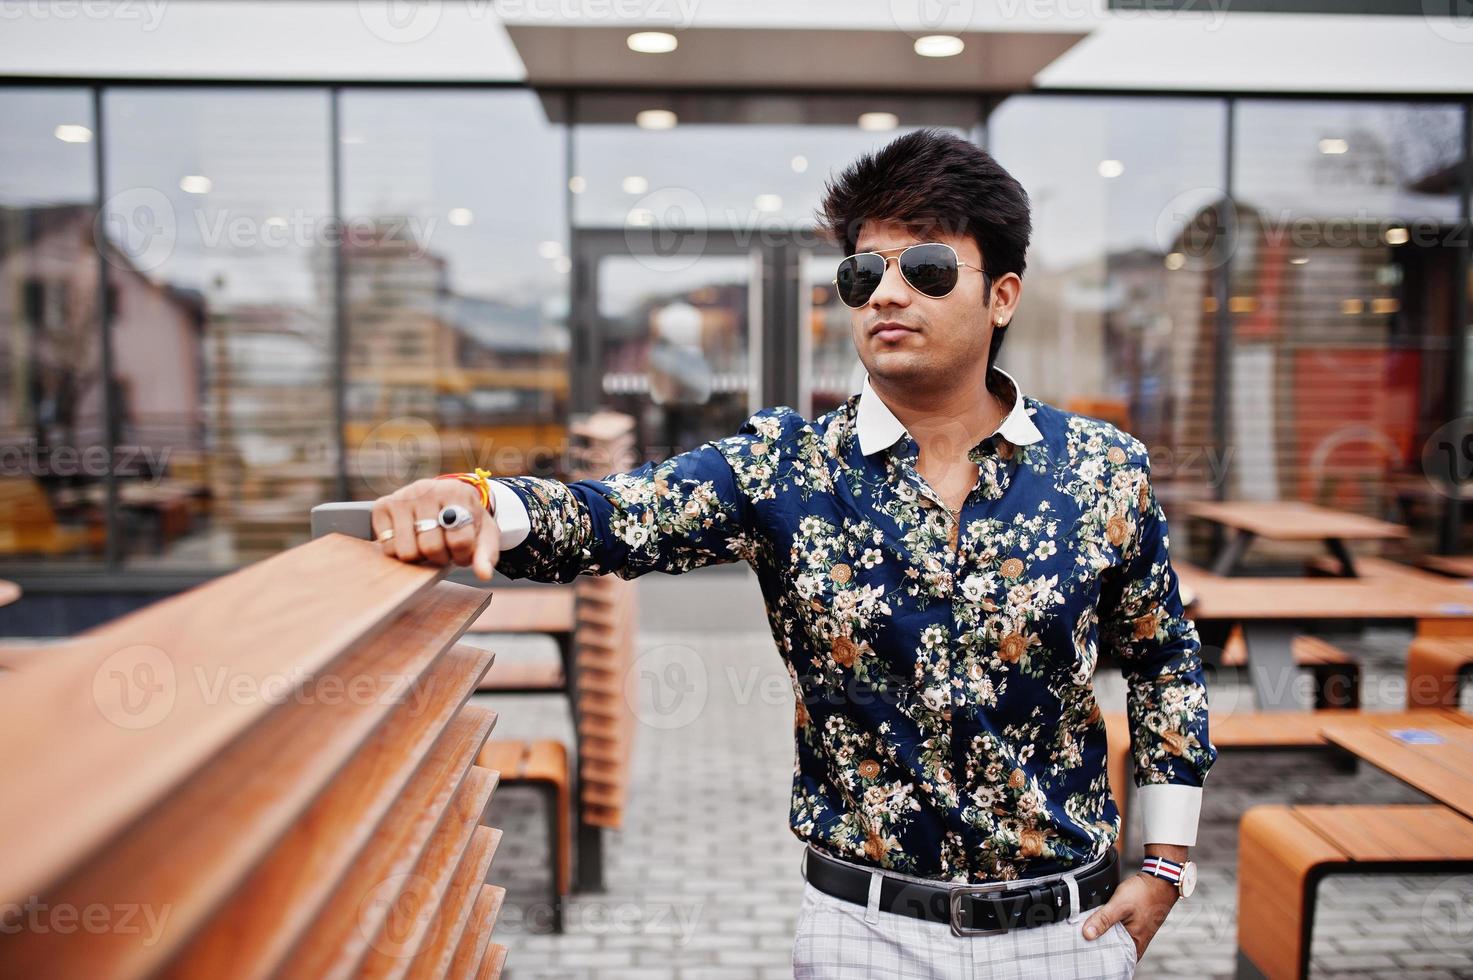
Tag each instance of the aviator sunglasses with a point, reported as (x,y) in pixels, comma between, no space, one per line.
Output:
(931,268)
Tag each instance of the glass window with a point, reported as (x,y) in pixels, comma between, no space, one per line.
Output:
(53,442)
(457,288)
(1116,319)
(219,206)
(1342,302)
(727,161)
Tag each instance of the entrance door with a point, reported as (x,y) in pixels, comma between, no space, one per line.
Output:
(691,331)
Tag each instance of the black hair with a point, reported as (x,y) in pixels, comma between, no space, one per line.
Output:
(934,180)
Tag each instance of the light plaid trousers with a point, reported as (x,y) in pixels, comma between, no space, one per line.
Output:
(839,940)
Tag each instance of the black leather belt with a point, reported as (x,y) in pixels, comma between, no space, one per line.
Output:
(972,910)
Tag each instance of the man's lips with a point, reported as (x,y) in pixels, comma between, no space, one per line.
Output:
(891,331)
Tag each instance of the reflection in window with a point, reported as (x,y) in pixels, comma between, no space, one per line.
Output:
(676,346)
(53,446)
(835,369)
(720,161)
(457,285)
(1116,319)
(220,200)
(1342,301)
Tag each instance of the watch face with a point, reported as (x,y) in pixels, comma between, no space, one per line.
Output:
(1188,879)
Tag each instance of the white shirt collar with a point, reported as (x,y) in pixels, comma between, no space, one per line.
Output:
(878,427)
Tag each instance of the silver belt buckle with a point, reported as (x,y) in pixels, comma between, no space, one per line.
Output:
(955,896)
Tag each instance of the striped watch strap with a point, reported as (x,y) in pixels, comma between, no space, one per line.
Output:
(1162,868)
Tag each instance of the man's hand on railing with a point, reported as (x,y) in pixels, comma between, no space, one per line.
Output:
(477,544)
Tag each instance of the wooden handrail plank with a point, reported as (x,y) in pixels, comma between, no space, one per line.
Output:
(338,938)
(251,934)
(248,795)
(535,609)
(411,913)
(473,941)
(435,956)
(492,963)
(138,706)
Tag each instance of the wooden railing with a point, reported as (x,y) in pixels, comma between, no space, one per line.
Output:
(270,775)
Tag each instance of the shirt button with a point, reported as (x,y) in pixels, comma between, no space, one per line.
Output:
(869,768)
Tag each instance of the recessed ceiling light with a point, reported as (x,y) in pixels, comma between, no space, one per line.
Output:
(195,184)
(1397,236)
(640,217)
(768,202)
(939,46)
(353,140)
(550,250)
(460,217)
(577,184)
(634,185)
(800,164)
(73,133)
(1299,260)
(1333,146)
(562,264)
(1175,260)
(1111,168)
(655,119)
(878,122)
(652,42)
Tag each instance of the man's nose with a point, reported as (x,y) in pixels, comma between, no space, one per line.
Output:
(892,290)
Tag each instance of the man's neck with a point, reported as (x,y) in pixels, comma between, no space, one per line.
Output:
(947,421)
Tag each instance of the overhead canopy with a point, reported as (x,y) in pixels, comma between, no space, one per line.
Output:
(784,57)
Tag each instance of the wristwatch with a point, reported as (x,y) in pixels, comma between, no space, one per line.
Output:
(1183,876)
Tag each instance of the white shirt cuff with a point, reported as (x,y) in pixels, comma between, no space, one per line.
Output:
(511,515)
(1169,813)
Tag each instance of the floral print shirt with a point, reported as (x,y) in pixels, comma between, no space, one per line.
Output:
(946,723)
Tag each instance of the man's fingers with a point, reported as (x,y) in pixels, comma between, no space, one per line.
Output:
(401,509)
(1096,925)
(432,542)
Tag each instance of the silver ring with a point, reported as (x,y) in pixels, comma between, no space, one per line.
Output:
(454,516)
(386,534)
(428,524)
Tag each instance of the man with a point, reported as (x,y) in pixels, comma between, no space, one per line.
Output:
(941,558)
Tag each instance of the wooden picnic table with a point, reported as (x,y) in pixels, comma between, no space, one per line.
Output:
(1456,566)
(1443,768)
(1271,611)
(1288,520)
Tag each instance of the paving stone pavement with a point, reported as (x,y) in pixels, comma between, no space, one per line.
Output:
(703,880)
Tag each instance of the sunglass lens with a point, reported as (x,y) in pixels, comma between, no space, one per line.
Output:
(859,276)
(931,269)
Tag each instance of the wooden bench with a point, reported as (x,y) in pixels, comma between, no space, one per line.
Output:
(1337,673)
(1284,852)
(281,760)
(1436,670)
(593,622)
(1250,731)
(543,765)
(1454,566)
